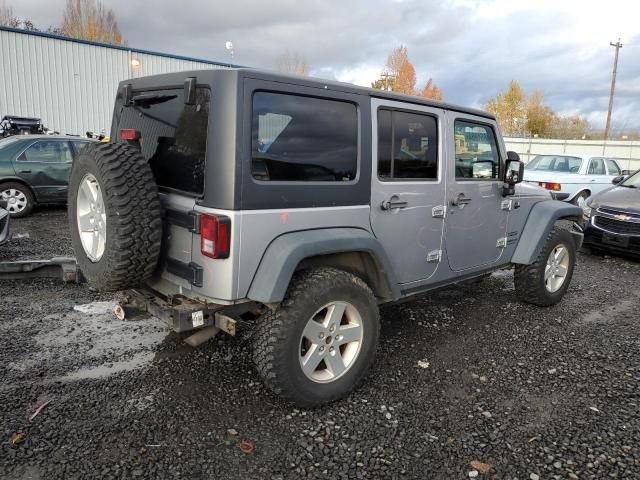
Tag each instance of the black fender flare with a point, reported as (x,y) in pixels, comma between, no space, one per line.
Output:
(539,223)
(285,253)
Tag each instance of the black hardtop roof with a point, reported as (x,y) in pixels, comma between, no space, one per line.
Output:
(208,76)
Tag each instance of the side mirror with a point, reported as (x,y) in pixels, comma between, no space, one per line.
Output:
(513,173)
(514,169)
(617,180)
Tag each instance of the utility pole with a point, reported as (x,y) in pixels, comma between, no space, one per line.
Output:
(388,80)
(618,46)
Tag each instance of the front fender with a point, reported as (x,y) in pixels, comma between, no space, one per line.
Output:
(542,217)
(283,255)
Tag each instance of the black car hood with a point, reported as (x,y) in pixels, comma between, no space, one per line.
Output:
(618,198)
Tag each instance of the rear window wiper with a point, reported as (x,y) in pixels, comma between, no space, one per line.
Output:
(146,99)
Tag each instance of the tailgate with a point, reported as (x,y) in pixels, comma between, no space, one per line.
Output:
(180,227)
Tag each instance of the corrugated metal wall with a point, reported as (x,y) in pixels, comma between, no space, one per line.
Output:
(70,84)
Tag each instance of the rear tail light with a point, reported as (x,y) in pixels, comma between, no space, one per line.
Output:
(129,134)
(215,235)
(550,186)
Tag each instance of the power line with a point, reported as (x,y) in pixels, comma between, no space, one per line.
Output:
(618,46)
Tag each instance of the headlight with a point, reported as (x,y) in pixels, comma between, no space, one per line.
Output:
(586,212)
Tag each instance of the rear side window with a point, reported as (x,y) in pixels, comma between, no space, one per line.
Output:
(303,139)
(173,136)
(79,146)
(407,146)
(47,152)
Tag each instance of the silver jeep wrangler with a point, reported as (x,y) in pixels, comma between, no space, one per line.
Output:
(237,195)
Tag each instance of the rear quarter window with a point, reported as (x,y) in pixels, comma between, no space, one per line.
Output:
(173,135)
(304,139)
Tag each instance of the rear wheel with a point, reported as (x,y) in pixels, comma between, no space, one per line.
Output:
(546,280)
(114,216)
(319,343)
(20,201)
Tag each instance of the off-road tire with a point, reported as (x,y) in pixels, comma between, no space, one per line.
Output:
(133,216)
(276,342)
(26,191)
(529,279)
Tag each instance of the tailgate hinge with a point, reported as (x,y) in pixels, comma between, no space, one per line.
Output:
(189,271)
(188,220)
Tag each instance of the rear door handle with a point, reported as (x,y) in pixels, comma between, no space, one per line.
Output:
(25,171)
(461,199)
(393,203)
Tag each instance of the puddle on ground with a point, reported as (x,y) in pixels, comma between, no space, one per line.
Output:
(91,334)
(138,360)
(96,308)
(604,315)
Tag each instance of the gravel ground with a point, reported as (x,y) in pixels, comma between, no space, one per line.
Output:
(532,393)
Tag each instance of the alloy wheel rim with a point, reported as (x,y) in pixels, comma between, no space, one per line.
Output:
(556,269)
(330,342)
(91,218)
(16,200)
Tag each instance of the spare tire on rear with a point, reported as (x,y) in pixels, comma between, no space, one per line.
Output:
(114,216)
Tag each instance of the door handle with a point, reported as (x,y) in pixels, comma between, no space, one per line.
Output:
(460,200)
(25,171)
(393,203)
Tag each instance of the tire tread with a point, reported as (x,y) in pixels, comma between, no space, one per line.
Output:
(271,361)
(134,213)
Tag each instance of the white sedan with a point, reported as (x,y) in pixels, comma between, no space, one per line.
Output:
(572,178)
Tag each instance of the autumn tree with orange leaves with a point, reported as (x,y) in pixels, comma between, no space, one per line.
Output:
(91,20)
(400,77)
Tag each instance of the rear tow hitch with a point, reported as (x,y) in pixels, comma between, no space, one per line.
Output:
(180,314)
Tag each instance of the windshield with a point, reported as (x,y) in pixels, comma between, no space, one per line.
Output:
(555,163)
(633,181)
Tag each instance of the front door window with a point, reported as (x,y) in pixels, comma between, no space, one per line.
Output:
(477,155)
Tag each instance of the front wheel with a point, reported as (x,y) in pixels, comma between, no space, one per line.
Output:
(546,280)
(319,343)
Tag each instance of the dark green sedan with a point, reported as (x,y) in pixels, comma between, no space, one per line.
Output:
(34,169)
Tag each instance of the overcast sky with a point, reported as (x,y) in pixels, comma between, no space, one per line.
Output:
(471,48)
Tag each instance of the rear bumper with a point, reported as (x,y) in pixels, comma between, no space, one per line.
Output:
(4,226)
(182,314)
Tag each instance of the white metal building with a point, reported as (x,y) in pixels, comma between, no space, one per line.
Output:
(71,84)
(626,152)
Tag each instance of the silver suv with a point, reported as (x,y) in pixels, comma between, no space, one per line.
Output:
(301,205)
